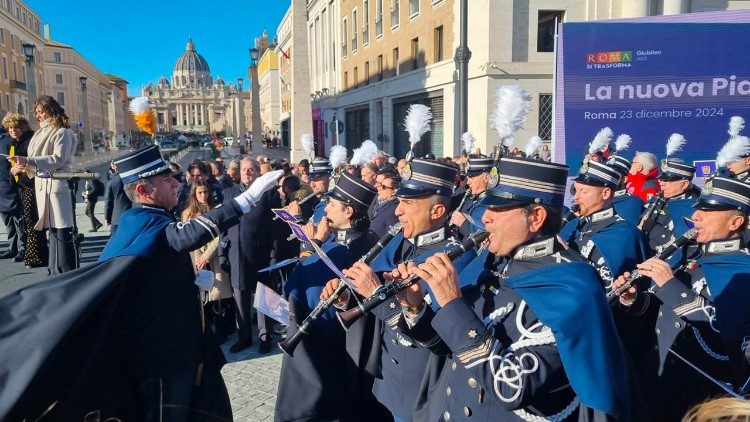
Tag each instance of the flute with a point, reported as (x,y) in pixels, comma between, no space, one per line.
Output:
(386,291)
(666,253)
(291,342)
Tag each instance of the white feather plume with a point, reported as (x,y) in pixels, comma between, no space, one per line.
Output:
(138,105)
(675,143)
(337,156)
(511,109)
(623,142)
(736,148)
(601,140)
(468,140)
(736,124)
(533,145)
(364,154)
(308,143)
(417,122)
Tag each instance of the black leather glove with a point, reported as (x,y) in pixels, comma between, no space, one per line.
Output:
(224,264)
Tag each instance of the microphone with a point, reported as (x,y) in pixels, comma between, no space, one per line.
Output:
(44,174)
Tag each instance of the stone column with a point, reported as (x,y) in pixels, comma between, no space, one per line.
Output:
(178,107)
(301,113)
(672,7)
(634,8)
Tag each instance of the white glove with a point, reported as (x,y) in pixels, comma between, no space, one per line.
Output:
(252,195)
(204,280)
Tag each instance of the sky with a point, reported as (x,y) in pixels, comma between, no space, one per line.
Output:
(141,40)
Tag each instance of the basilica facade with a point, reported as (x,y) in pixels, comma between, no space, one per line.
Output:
(193,102)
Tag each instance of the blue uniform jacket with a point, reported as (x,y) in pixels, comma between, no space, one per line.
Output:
(628,207)
(402,361)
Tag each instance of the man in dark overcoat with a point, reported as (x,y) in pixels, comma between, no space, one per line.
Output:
(247,246)
(116,202)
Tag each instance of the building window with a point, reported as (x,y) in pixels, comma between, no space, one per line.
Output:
(5,68)
(439,44)
(545,116)
(160,118)
(379,76)
(2,36)
(395,9)
(366,23)
(415,53)
(57,57)
(15,71)
(58,79)
(413,8)
(378,18)
(346,80)
(396,69)
(344,37)
(354,30)
(355,78)
(545,33)
(61,98)
(367,73)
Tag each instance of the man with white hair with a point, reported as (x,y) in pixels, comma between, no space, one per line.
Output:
(641,180)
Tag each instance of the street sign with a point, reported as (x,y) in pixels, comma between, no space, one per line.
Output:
(80,124)
(337,126)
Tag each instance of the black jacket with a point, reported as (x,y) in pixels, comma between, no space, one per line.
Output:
(9,200)
(248,244)
(116,200)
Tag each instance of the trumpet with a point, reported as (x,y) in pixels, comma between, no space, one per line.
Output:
(291,342)
(386,291)
(665,254)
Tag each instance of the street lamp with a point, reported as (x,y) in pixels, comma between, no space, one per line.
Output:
(88,141)
(28,51)
(255,94)
(240,115)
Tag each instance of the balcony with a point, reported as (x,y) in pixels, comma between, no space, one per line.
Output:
(17,85)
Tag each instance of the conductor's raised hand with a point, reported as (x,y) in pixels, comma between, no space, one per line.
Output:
(438,271)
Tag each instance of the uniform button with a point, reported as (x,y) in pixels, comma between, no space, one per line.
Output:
(448,391)
(658,331)
(656,347)
(661,313)
(467,411)
(395,362)
(677,325)
(446,416)
(472,383)
(393,340)
(453,366)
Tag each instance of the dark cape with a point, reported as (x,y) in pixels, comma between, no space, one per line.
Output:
(118,339)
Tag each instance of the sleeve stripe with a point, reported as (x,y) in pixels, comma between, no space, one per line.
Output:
(213,228)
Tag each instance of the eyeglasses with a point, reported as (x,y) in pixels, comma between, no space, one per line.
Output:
(380,185)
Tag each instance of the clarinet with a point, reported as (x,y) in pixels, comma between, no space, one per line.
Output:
(291,342)
(386,291)
(649,218)
(570,214)
(301,201)
(666,253)
(467,193)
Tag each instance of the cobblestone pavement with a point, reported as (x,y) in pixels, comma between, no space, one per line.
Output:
(251,378)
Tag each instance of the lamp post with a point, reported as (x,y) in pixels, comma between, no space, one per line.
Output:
(28,51)
(255,94)
(88,141)
(240,115)
(463,54)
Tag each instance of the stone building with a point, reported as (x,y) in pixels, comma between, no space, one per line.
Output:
(193,101)
(387,54)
